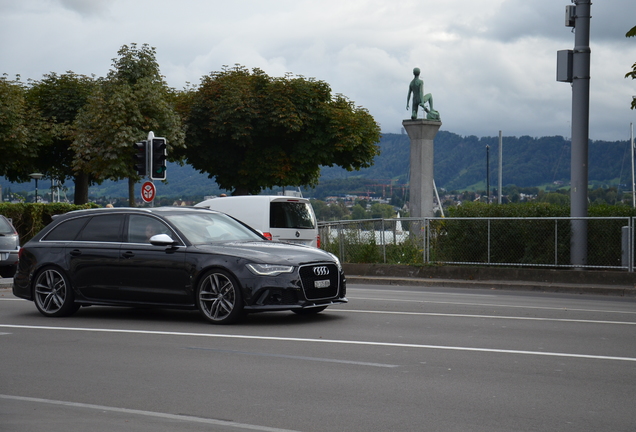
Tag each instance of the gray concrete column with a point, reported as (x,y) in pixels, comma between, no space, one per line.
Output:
(421,134)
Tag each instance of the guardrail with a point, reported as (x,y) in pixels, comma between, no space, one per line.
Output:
(531,242)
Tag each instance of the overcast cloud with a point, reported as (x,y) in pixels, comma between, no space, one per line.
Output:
(490,64)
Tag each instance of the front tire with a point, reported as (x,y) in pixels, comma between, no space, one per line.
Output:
(219,298)
(53,294)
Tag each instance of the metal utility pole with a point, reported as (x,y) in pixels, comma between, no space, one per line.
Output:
(580,131)
(487,174)
(631,135)
(500,169)
(574,66)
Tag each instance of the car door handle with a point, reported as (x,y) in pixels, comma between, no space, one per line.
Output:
(128,254)
(75,252)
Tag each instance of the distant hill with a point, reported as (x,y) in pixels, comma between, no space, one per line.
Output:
(460,164)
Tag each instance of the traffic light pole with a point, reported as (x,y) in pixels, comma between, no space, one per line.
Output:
(151,136)
(580,132)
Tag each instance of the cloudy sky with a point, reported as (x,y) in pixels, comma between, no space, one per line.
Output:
(490,64)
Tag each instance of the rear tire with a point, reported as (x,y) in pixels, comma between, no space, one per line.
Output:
(53,294)
(219,298)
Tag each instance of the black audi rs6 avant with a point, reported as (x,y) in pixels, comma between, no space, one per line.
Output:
(172,257)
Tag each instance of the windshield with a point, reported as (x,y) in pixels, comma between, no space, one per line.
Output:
(201,228)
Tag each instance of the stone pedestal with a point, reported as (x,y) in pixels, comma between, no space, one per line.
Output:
(421,133)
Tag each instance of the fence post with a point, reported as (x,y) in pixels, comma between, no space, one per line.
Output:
(488,240)
(341,242)
(625,246)
(556,242)
(426,241)
(383,242)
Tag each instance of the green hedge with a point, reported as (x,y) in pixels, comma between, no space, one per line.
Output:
(534,210)
(29,219)
(460,237)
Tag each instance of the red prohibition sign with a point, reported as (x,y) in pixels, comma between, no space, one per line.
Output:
(148,191)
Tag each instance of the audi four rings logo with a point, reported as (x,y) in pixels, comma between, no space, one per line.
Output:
(321,271)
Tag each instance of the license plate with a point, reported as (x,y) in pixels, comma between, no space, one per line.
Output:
(322,283)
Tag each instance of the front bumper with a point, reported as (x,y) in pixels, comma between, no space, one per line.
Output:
(280,307)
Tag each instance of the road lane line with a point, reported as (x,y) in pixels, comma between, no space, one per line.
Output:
(328,341)
(490,305)
(328,360)
(485,316)
(185,418)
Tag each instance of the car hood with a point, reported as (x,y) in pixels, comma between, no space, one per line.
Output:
(267,251)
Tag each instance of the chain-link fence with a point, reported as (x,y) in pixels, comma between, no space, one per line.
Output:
(536,242)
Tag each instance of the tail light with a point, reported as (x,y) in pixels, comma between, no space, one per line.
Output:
(318,241)
(267,235)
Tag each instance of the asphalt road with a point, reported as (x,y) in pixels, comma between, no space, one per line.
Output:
(393,359)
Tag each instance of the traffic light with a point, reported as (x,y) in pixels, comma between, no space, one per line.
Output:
(139,158)
(158,159)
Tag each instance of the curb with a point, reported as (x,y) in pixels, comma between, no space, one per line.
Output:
(608,290)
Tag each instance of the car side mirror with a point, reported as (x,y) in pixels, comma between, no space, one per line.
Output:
(162,240)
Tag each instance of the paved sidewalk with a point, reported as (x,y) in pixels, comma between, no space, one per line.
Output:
(616,283)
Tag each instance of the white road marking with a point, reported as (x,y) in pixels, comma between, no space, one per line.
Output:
(185,418)
(486,316)
(489,305)
(318,359)
(329,341)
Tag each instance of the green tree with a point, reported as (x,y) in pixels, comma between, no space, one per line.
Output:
(131,101)
(358,212)
(58,99)
(382,211)
(21,131)
(632,73)
(253,132)
(555,198)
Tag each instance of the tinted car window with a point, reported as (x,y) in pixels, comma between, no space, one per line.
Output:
(67,230)
(103,228)
(290,215)
(141,228)
(5,226)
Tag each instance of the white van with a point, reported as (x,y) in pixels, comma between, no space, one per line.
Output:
(281,218)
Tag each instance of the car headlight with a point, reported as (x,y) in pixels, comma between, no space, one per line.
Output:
(335,258)
(269,269)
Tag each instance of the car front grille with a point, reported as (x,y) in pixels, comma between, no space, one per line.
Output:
(315,276)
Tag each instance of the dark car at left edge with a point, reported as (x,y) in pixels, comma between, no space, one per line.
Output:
(172,257)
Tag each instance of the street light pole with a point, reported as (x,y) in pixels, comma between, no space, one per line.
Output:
(487,174)
(500,188)
(36,176)
(631,135)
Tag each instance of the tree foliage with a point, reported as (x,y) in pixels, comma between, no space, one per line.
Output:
(58,100)
(253,132)
(21,131)
(130,102)
(632,73)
